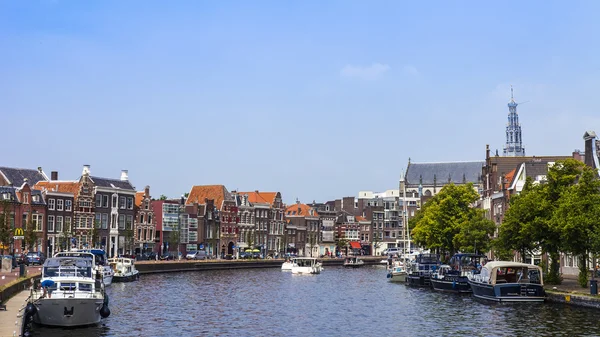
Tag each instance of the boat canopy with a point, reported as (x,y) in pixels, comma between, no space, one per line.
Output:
(511,272)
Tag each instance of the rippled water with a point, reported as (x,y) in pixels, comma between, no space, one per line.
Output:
(338,302)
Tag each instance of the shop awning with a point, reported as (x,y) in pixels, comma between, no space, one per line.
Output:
(355,244)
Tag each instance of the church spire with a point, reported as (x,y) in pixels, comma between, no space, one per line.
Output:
(514,142)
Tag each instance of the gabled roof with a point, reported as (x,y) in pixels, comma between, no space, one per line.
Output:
(260,197)
(301,210)
(17,176)
(510,176)
(507,164)
(112,183)
(139,197)
(456,172)
(218,193)
(71,187)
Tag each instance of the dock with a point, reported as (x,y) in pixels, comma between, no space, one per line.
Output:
(11,319)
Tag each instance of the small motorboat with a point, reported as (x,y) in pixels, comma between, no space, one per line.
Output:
(306,265)
(287,265)
(353,262)
(397,272)
(124,269)
(507,281)
(453,277)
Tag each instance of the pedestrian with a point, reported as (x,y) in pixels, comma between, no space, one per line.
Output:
(156,257)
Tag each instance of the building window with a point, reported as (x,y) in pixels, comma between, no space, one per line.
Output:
(51,204)
(139,234)
(104,221)
(105,201)
(98,200)
(37,222)
(147,204)
(26,198)
(67,224)
(122,202)
(142,218)
(129,222)
(98,220)
(50,223)
(60,203)
(149,219)
(129,203)
(68,205)
(121,221)
(114,201)
(59,224)
(151,236)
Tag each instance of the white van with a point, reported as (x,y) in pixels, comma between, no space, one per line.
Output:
(391,251)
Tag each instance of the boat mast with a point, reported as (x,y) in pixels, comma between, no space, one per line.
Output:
(405,231)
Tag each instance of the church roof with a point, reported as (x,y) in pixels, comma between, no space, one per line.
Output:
(443,173)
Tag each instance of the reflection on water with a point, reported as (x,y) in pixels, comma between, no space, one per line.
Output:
(350,302)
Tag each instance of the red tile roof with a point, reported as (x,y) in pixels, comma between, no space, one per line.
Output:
(260,197)
(60,186)
(304,210)
(509,178)
(359,218)
(200,192)
(139,197)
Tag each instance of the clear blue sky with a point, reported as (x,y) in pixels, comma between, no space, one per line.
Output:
(316,99)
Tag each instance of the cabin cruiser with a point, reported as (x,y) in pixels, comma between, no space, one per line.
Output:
(69,295)
(453,277)
(353,262)
(397,272)
(287,265)
(124,269)
(99,263)
(306,265)
(506,281)
(421,269)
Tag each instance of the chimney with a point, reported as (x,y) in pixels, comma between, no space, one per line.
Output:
(124,176)
(86,170)
(54,175)
(147,190)
(39,169)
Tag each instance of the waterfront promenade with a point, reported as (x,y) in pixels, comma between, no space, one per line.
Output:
(10,322)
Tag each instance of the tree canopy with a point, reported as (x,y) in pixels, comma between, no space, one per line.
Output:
(448,223)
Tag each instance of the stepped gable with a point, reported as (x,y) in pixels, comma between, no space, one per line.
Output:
(17,176)
(112,183)
(424,173)
(199,193)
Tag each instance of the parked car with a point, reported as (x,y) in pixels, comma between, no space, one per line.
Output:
(169,256)
(20,259)
(245,255)
(196,255)
(36,258)
(148,256)
(392,251)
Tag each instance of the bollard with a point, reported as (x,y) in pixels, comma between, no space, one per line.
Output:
(593,287)
(21,270)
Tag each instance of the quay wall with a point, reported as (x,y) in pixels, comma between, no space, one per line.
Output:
(150,267)
(580,300)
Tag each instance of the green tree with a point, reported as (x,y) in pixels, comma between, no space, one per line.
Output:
(163,197)
(342,244)
(518,230)
(579,213)
(6,231)
(447,223)
(30,236)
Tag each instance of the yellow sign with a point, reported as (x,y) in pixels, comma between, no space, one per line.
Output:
(18,233)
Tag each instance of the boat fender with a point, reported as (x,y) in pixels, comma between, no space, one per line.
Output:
(453,284)
(105,300)
(389,275)
(104,311)
(30,309)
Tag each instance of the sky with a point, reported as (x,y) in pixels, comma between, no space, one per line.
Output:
(315,99)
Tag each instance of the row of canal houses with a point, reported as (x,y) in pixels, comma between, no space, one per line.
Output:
(109,213)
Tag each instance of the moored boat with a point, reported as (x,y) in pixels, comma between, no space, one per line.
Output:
(421,269)
(306,265)
(453,277)
(124,269)
(353,262)
(506,281)
(287,265)
(397,273)
(98,261)
(69,296)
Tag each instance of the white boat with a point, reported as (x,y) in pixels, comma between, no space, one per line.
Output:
(287,265)
(507,281)
(102,265)
(69,295)
(98,262)
(306,265)
(397,273)
(124,269)
(353,262)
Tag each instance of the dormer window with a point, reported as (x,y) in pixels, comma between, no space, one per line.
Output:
(36,198)
(26,198)
(6,196)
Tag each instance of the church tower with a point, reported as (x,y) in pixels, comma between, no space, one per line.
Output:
(514,143)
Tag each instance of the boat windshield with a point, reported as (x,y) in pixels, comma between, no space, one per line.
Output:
(66,267)
(517,275)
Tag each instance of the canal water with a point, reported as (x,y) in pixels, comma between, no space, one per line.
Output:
(338,302)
